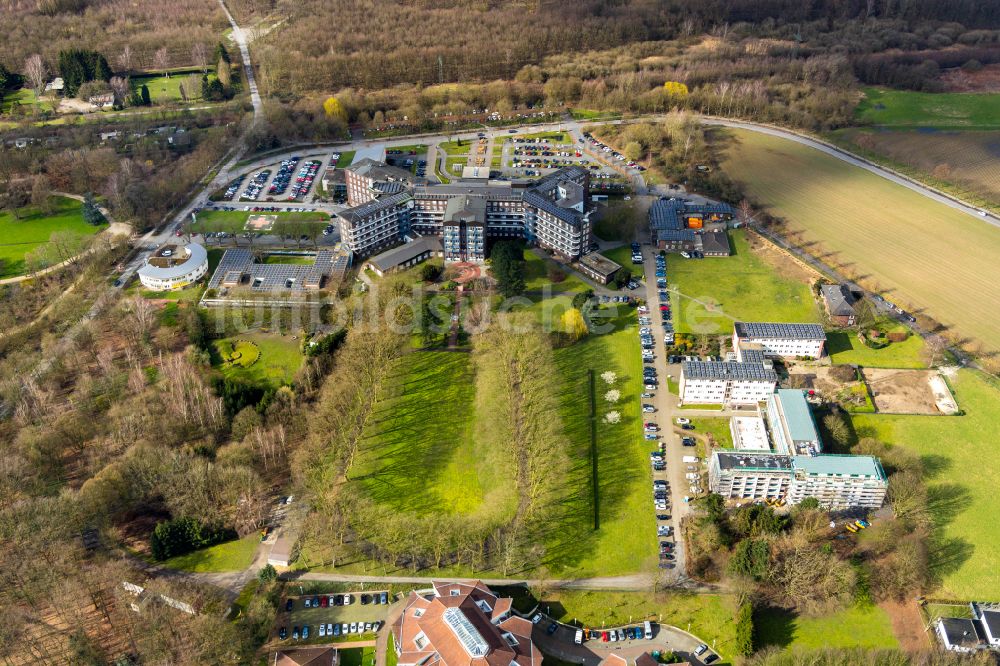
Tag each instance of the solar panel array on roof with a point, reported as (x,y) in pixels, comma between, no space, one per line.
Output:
(233,261)
(774,331)
(238,265)
(467,635)
(728,370)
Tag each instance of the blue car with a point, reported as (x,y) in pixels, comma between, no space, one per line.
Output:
(552,628)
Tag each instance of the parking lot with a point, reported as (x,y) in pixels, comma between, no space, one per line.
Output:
(358,621)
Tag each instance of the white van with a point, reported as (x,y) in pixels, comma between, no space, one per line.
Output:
(691,476)
(648,630)
(690,459)
(578,639)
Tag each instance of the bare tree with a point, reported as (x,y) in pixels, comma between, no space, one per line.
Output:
(125,60)
(34,69)
(199,55)
(121,88)
(161,60)
(745,213)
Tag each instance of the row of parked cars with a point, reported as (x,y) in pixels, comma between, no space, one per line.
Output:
(612,152)
(305,178)
(233,188)
(664,298)
(331,629)
(256,185)
(281,179)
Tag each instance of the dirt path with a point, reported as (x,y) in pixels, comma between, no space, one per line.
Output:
(908,625)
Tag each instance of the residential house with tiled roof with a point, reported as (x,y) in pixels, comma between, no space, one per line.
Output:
(462,624)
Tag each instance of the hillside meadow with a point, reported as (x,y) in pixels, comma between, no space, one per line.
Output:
(924,255)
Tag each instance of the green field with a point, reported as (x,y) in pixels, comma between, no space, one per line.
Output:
(888,235)
(419,454)
(904,108)
(963,162)
(845,347)
(868,627)
(279,360)
(234,555)
(623,257)
(234,221)
(18,237)
(357,656)
(707,616)
(961,457)
(708,295)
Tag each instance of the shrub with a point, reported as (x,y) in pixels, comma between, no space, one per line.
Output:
(183,535)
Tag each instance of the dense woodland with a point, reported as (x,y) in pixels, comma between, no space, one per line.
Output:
(49,26)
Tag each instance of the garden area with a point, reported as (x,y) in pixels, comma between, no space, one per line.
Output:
(258,357)
(235,555)
(33,227)
(846,347)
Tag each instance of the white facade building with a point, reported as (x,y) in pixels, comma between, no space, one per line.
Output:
(837,482)
(174,266)
(745,382)
(780,340)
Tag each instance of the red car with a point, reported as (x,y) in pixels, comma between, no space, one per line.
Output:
(604,637)
(324,602)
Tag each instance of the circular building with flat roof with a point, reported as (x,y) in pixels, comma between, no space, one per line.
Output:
(174,266)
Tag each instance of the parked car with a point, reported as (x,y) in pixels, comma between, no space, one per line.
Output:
(365,599)
(295,633)
(552,628)
(700,650)
(322,630)
(683,421)
(289,605)
(578,638)
(283,633)
(305,632)
(384,597)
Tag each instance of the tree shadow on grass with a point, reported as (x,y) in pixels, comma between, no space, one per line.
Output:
(947,554)
(774,627)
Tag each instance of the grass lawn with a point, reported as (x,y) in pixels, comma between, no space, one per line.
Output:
(18,237)
(623,257)
(165,90)
(24,97)
(622,543)
(233,221)
(960,455)
(419,454)
(345,159)
(708,295)
(707,616)
(844,347)
(295,259)
(391,659)
(868,627)
(279,360)
(229,556)
(454,165)
(456,147)
(536,275)
(905,108)
(717,426)
(878,229)
(357,656)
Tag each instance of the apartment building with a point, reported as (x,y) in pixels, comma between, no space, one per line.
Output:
(743,382)
(550,212)
(836,481)
(780,340)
